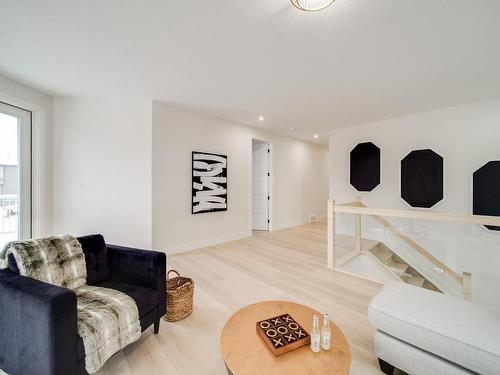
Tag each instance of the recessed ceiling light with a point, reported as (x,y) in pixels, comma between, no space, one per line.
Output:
(261,118)
(315,136)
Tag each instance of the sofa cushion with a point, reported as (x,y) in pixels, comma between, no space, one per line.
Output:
(412,360)
(96,258)
(459,331)
(145,298)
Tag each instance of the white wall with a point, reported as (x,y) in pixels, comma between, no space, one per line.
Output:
(299,175)
(102,168)
(40,104)
(467,136)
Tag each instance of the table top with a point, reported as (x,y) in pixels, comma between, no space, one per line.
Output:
(245,353)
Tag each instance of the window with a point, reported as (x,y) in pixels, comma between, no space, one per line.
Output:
(15,173)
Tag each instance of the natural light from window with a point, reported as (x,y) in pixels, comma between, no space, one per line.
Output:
(9,210)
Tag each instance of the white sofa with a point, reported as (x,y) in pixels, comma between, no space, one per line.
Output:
(427,333)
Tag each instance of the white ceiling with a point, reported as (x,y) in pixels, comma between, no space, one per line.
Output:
(355,62)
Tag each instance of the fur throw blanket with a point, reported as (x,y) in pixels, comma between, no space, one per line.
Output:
(54,260)
(108,320)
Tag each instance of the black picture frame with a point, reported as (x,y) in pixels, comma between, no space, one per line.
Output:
(486,191)
(422,178)
(364,167)
(219,202)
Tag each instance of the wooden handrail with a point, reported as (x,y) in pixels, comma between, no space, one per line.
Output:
(418,215)
(349,204)
(467,285)
(330,241)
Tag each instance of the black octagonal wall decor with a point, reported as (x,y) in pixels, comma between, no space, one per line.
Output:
(365,167)
(422,179)
(486,193)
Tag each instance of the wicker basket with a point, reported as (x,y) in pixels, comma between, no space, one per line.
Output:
(180,292)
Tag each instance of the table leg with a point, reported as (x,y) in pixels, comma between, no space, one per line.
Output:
(228,371)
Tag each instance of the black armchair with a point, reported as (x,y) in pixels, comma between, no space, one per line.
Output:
(38,321)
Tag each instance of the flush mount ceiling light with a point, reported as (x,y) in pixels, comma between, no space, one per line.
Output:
(312,5)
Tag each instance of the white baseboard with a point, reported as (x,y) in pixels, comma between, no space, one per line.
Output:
(297,222)
(180,248)
(290,224)
(321,217)
(175,249)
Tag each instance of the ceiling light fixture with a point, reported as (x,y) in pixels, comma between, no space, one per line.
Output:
(311,5)
(261,118)
(315,136)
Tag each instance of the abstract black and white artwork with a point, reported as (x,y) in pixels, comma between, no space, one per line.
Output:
(209,183)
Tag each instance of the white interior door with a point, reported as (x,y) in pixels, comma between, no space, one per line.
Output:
(15,174)
(260,185)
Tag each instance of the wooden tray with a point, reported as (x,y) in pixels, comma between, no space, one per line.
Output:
(282,334)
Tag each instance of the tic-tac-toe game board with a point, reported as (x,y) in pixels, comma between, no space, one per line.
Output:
(282,334)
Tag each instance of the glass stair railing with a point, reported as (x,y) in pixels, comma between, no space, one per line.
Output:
(451,253)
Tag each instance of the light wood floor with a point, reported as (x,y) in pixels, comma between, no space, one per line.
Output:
(288,265)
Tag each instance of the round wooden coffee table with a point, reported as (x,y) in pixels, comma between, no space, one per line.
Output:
(244,352)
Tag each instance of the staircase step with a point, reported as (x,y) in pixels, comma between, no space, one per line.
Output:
(399,268)
(398,259)
(415,280)
(430,286)
(382,253)
(413,272)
